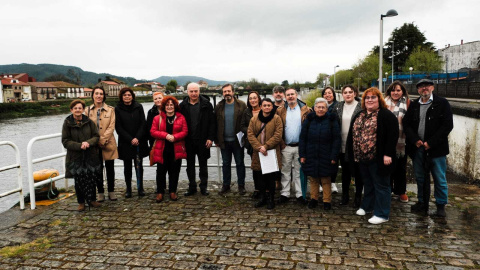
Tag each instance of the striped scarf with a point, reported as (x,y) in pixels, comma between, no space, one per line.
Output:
(398,109)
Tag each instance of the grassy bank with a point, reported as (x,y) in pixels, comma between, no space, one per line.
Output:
(51,107)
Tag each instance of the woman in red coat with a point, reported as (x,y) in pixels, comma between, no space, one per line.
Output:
(169,130)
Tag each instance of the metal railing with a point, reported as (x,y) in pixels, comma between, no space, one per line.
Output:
(31,161)
(17,165)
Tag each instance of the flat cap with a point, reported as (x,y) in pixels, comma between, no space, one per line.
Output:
(424,81)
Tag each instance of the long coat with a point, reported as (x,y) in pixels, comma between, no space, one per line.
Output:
(106,129)
(130,123)
(150,115)
(319,144)
(73,135)
(273,137)
(180,131)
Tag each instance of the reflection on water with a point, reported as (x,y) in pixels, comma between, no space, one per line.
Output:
(21,130)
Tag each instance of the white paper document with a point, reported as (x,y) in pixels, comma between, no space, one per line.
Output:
(269,162)
(239,137)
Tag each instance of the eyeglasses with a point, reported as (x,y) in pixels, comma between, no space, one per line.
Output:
(370,97)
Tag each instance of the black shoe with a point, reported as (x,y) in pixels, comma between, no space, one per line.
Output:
(327,206)
(357,202)
(128,194)
(301,200)
(262,201)
(282,199)
(345,199)
(204,192)
(441,210)
(190,192)
(141,193)
(419,207)
(256,194)
(270,201)
(312,204)
(241,190)
(224,190)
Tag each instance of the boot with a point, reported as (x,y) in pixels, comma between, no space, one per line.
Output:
(81,207)
(140,190)
(128,193)
(101,197)
(327,206)
(270,201)
(312,204)
(262,201)
(358,201)
(256,194)
(441,210)
(95,204)
(112,196)
(345,198)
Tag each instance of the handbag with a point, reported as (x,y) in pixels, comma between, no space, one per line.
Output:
(154,143)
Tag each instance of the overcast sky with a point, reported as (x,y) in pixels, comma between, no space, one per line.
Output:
(218,39)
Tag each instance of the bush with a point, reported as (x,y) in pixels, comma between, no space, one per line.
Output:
(310,98)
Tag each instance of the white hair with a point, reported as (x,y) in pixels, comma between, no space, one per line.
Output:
(321,99)
(192,84)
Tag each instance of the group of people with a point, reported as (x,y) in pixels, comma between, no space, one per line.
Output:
(369,136)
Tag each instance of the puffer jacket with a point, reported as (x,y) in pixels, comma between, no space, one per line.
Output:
(180,131)
(73,135)
(319,144)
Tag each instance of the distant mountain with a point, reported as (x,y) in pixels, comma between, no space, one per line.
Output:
(42,71)
(181,80)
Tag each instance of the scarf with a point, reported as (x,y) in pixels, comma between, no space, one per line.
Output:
(399,109)
(264,121)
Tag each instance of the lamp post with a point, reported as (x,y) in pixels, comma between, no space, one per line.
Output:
(393,55)
(390,13)
(411,68)
(334,76)
(385,83)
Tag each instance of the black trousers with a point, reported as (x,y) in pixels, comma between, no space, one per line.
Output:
(192,151)
(266,181)
(172,167)
(127,170)
(110,170)
(398,178)
(347,175)
(81,198)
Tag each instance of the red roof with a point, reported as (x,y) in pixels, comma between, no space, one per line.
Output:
(87,89)
(42,84)
(110,82)
(8,81)
(65,84)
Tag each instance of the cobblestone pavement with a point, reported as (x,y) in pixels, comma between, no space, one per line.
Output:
(214,232)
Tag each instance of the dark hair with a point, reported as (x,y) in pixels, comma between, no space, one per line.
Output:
(376,92)
(77,101)
(227,85)
(333,92)
(267,100)
(278,88)
(123,91)
(351,86)
(165,100)
(101,88)
(392,87)
(248,99)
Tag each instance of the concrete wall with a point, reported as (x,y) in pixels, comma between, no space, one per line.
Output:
(460,56)
(464,140)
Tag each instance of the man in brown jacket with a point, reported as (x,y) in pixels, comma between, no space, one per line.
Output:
(229,113)
(292,117)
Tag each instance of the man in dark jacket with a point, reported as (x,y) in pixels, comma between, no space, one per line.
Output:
(198,112)
(228,113)
(427,123)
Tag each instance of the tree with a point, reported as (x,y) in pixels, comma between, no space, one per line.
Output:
(172,86)
(367,69)
(58,77)
(405,40)
(423,59)
(285,83)
(343,77)
(186,84)
(74,76)
(321,79)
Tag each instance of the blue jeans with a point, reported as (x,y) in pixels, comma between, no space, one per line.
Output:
(239,154)
(377,190)
(438,167)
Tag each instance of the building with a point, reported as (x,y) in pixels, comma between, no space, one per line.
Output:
(88,92)
(43,91)
(203,84)
(14,90)
(23,77)
(111,88)
(68,90)
(458,57)
(153,86)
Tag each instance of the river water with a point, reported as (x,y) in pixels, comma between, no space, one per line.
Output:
(21,130)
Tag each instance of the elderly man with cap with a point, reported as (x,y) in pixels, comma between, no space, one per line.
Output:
(427,124)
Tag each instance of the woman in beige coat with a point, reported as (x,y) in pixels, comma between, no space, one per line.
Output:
(103,116)
(265,133)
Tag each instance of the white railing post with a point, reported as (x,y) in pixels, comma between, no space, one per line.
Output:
(18,166)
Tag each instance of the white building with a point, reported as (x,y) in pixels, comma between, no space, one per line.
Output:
(460,56)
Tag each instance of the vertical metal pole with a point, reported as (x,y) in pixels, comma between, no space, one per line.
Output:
(380,56)
(219,170)
(393,55)
(30,174)
(20,180)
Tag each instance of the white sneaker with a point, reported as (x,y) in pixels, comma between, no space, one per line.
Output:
(377,220)
(361,212)
(334,188)
(321,189)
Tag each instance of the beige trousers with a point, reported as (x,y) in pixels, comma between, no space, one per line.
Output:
(326,185)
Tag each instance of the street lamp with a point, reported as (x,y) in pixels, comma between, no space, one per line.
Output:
(390,13)
(411,68)
(385,83)
(334,76)
(393,55)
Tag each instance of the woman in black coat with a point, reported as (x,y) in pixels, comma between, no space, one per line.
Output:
(154,111)
(132,140)
(319,147)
